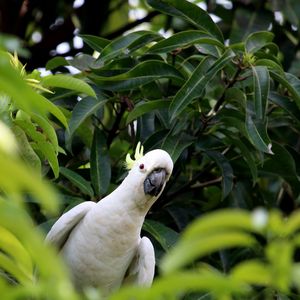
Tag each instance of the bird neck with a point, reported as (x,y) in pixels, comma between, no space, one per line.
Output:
(130,198)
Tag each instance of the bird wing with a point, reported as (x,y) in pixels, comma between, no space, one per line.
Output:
(62,228)
(141,269)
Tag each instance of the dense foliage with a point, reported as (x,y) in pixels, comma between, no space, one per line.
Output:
(222,100)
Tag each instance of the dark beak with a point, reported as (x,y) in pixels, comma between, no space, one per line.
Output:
(154,182)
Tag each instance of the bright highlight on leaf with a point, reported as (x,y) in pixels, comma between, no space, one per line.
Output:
(7,140)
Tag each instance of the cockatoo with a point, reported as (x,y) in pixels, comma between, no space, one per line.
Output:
(100,242)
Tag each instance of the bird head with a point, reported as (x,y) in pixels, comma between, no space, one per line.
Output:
(150,171)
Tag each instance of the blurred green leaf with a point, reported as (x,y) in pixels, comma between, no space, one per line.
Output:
(219,221)
(185,282)
(49,153)
(8,265)
(27,153)
(23,178)
(187,250)
(281,264)
(253,272)
(10,79)
(12,247)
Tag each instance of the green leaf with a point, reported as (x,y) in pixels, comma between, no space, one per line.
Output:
(286,103)
(95,42)
(290,83)
(293,225)
(27,153)
(246,21)
(145,107)
(24,179)
(8,265)
(226,169)
(261,86)
(166,236)
(196,84)
(24,97)
(258,40)
(218,221)
(270,64)
(124,45)
(257,134)
(49,153)
(186,284)
(143,73)
(40,144)
(83,109)
(82,62)
(253,272)
(186,251)
(184,39)
(175,145)
(68,82)
(84,186)
(190,13)
(282,164)
(244,150)
(47,129)
(56,62)
(14,248)
(100,164)
(281,264)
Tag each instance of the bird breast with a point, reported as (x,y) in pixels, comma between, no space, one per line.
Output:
(100,249)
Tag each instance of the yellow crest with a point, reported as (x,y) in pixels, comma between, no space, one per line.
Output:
(139,153)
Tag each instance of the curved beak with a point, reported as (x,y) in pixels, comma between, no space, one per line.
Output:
(154,182)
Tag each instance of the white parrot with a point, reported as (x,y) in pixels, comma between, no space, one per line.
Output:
(100,242)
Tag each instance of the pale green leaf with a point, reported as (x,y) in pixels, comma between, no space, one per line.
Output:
(68,82)
(188,250)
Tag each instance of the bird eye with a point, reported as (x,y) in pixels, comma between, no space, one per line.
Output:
(141,166)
